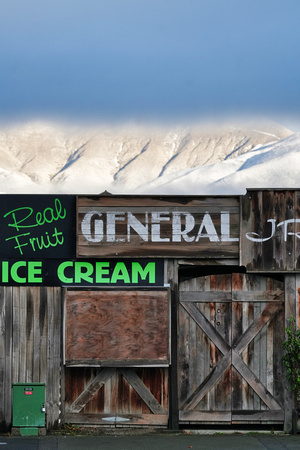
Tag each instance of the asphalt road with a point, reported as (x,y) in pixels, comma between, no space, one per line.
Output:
(166,441)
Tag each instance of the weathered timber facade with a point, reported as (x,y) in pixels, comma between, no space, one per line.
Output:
(30,346)
(156,311)
(270,237)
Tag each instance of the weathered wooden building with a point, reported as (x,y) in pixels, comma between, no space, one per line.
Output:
(156,311)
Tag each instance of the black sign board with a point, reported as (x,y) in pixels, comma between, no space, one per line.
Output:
(37,226)
(87,273)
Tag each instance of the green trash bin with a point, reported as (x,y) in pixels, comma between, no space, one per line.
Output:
(28,407)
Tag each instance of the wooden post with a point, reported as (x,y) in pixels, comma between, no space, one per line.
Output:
(173,375)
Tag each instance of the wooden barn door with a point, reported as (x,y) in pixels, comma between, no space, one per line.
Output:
(231,329)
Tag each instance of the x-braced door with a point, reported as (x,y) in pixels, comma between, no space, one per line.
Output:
(231,329)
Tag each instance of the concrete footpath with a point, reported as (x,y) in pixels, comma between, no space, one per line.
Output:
(162,441)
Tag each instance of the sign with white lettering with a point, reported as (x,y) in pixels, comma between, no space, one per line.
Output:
(198,227)
(270,231)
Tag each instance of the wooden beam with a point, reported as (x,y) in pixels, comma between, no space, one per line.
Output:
(254,382)
(251,416)
(117,420)
(205,416)
(258,296)
(207,327)
(208,383)
(101,378)
(143,391)
(270,310)
(205,296)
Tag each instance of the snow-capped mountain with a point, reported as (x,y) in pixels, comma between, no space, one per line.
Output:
(198,160)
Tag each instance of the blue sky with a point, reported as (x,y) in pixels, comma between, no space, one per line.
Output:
(149,60)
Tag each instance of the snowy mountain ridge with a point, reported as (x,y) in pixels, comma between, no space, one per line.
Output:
(198,160)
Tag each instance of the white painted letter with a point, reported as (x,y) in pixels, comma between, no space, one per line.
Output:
(112,217)
(285,224)
(139,227)
(177,232)
(211,232)
(258,239)
(86,227)
(155,227)
(225,228)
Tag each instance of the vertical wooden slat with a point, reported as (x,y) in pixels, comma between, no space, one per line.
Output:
(250,359)
(165,390)
(57,353)
(123,403)
(183,355)
(8,365)
(173,370)
(250,252)
(263,356)
(16,335)
(202,362)
(268,209)
(205,343)
(33,298)
(6,329)
(63,368)
(237,329)
(25,366)
(270,357)
(113,394)
(41,298)
(54,356)
(246,395)
(211,395)
(237,382)
(240,388)
(192,351)
(146,378)
(51,376)
(4,333)
(222,321)
(279,374)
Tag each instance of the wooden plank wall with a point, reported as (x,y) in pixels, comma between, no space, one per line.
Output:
(279,253)
(30,346)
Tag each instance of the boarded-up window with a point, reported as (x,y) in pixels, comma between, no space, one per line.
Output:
(117,328)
